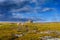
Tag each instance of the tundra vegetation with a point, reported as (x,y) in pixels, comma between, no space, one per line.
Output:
(29,31)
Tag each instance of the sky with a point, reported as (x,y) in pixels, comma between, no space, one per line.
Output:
(24,10)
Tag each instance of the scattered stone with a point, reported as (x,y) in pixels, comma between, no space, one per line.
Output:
(18,35)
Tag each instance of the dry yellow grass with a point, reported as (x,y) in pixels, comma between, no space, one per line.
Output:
(29,31)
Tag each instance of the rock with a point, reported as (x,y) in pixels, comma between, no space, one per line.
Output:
(18,35)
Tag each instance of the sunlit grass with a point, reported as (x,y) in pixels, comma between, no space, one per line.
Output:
(29,31)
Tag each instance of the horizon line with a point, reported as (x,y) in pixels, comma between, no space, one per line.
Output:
(26,21)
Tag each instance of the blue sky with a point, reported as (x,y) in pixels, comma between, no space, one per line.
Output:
(24,10)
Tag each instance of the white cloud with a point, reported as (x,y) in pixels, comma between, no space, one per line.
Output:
(17,15)
(2,0)
(29,9)
(18,1)
(26,9)
(47,9)
(43,9)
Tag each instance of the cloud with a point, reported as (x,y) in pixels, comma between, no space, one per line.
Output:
(22,5)
(2,0)
(17,15)
(19,5)
(43,9)
(47,9)
(21,10)
(14,8)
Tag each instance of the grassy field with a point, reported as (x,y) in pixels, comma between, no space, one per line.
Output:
(28,31)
